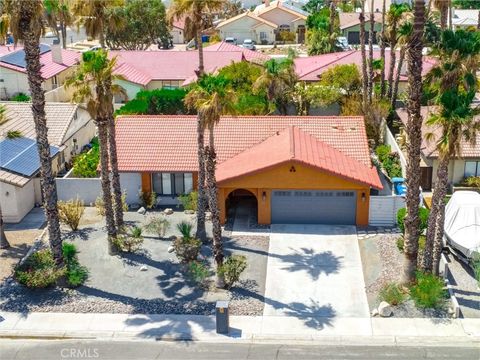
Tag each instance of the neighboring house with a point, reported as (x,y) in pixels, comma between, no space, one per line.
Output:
(465,165)
(148,70)
(463,19)
(69,128)
(57,65)
(178,32)
(255,57)
(296,169)
(265,23)
(350,26)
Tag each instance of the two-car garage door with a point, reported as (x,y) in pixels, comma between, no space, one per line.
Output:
(313,207)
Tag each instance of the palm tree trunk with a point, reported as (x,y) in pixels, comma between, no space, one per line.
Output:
(382,51)
(414,133)
(49,188)
(370,53)
(393,99)
(102,124)
(393,59)
(331,25)
(364,57)
(4,244)
(437,200)
(117,190)
(438,242)
(443,16)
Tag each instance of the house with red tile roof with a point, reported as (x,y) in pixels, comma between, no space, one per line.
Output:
(295,169)
(57,65)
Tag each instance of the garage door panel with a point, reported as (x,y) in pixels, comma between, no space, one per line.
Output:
(313,207)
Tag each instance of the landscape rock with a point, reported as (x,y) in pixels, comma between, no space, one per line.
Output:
(189,212)
(171,249)
(384,309)
(374,312)
(168,211)
(208,216)
(143,268)
(142,211)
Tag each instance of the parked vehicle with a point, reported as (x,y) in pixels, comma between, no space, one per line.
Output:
(231,40)
(249,44)
(342,43)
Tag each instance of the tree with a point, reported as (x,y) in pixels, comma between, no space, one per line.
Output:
(364,55)
(313,6)
(382,49)
(212,97)
(370,53)
(156,102)
(26,25)
(4,26)
(404,31)
(92,83)
(143,23)
(454,81)
(322,32)
(57,12)
(414,134)
(442,6)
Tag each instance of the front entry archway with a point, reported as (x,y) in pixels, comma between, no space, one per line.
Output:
(241,208)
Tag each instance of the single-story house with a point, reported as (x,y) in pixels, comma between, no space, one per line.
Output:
(255,57)
(57,65)
(465,18)
(465,165)
(265,22)
(70,127)
(297,169)
(350,26)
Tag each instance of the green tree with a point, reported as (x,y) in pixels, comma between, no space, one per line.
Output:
(212,97)
(58,12)
(322,33)
(26,24)
(156,102)
(143,23)
(313,6)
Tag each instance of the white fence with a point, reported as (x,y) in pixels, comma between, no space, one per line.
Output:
(383,210)
(85,189)
(390,140)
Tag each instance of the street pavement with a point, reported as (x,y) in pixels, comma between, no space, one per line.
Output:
(138,350)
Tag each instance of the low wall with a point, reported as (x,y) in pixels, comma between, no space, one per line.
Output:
(383,210)
(390,140)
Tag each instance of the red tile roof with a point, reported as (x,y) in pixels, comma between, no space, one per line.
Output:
(168,143)
(311,67)
(252,56)
(293,144)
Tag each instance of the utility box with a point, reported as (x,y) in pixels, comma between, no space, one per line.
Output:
(222,317)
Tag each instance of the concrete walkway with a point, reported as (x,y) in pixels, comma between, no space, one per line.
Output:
(315,271)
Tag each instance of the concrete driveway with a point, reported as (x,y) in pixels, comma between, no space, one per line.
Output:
(315,271)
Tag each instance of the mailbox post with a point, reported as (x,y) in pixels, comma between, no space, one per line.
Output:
(222,317)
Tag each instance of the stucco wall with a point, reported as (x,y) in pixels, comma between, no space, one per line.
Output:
(130,88)
(131,183)
(456,170)
(85,189)
(16,201)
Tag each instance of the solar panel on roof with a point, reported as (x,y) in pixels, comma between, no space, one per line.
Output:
(21,155)
(17,58)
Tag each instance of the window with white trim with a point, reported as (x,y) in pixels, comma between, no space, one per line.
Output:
(472,168)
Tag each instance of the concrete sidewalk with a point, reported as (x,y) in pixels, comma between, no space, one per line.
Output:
(247,328)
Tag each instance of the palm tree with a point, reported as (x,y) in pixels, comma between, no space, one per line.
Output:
(404,31)
(414,133)
(26,25)
(92,83)
(58,12)
(370,52)
(212,96)
(455,81)
(382,50)
(193,13)
(364,56)
(442,6)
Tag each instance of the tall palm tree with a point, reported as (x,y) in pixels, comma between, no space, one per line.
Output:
(364,56)
(370,52)
(414,133)
(193,13)
(58,12)
(404,31)
(442,6)
(455,82)
(26,26)
(92,83)
(382,49)
(212,97)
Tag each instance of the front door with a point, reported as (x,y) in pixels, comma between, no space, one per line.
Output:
(426,178)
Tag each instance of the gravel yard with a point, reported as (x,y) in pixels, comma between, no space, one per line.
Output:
(151,281)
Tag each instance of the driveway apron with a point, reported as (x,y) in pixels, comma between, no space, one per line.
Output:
(315,271)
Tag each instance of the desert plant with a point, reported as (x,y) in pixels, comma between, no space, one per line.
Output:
(76,274)
(158,225)
(423,213)
(100,205)
(39,270)
(232,268)
(189,201)
(185,228)
(428,291)
(147,199)
(471,181)
(476,268)
(393,294)
(14,134)
(389,160)
(70,212)
(20,97)
(198,271)
(187,249)
(129,240)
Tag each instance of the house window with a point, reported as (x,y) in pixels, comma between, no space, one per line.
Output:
(472,168)
(172,183)
(166,184)
(263,35)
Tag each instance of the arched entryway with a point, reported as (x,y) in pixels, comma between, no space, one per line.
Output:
(241,207)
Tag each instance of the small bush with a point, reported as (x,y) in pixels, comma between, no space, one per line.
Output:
(76,274)
(393,294)
(20,97)
(39,270)
(198,272)
(147,199)
(390,160)
(423,213)
(428,292)
(187,249)
(185,228)
(130,240)
(158,225)
(70,212)
(232,268)
(476,268)
(471,181)
(85,164)
(100,204)
(14,134)
(189,201)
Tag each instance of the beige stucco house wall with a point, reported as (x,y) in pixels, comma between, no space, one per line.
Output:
(247,27)
(16,201)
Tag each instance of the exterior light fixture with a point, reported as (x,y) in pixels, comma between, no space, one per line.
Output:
(264,196)
(364,197)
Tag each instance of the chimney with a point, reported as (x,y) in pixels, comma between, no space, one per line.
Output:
(56,50)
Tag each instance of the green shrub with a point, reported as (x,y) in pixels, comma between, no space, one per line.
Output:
(147,199)
(393,294)
(69,252)
(129,240)
(185,228)
(198,272)
(423,213)
(187,249)
(421,243)
(189,201)
(158,225)
(476,268)
(85,164)
(100,204)
(39,270)
(232,268)
(401,244)
(156,102)
(70,212)
(390,161)
(14,134)
(471,181)
(21,97)
(428,291)
(76,274)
